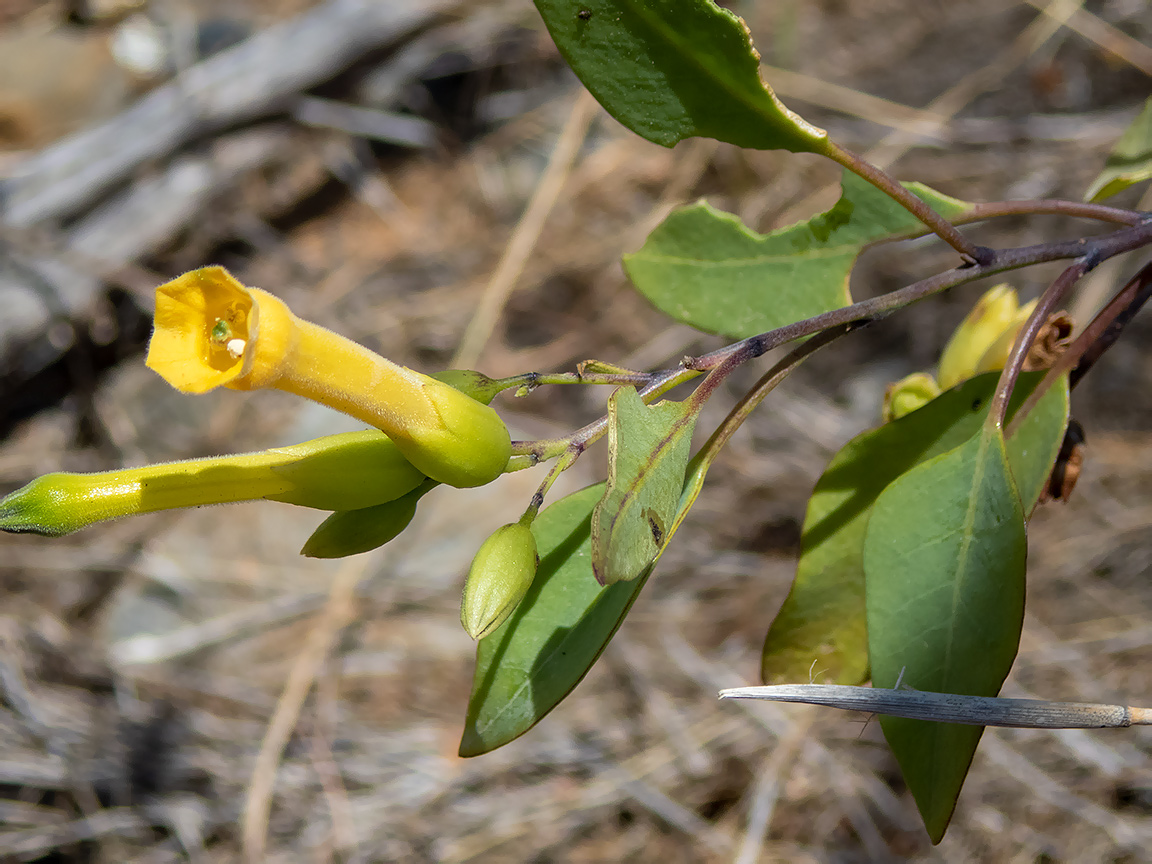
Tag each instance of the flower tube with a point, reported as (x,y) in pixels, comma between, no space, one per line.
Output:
(337,472)
(211,331)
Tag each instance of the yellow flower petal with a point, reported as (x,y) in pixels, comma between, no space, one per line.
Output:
(205,321)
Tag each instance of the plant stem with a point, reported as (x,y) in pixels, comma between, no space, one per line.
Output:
(566,461)
(532,380)
(1047,304)
(767,383)
(1100,334)
(1039,207)
(658,384)
(1103,247)
(940,226)
(1093,250)
(1051,207)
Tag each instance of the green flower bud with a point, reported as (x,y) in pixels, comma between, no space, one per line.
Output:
(500,576)
(908,394)
(976,333)
(350,532)
(349,471)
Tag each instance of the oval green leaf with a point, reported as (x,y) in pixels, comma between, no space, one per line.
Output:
(674,69)
(707,269)
(648,448)
(944,555)
(821,629)
(533,660)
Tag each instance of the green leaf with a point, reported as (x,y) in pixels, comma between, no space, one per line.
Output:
(1130,161)
(534,659)
(823,618)
(1033,448)
(707,269)
(944,555)
(648,449)
(674,69)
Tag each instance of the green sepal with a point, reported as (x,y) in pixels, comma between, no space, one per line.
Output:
(350,532)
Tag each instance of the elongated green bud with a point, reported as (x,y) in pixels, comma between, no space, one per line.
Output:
(500,576)
(908,394)
(980,328)
(349,471)
(350,532)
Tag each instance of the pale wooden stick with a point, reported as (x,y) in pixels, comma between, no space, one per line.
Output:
(250,80)
(952,708)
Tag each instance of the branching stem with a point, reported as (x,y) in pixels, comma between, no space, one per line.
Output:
(1089,251)
(1050,207)
(1045,306)
(1096,338)
(887,184)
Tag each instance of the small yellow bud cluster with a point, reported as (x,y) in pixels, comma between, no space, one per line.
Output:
(980,344)
(984,338)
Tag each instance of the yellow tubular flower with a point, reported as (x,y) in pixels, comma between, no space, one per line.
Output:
(350,532)
(975,335)
(211,331)
(353,470)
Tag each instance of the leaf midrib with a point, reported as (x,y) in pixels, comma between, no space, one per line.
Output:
(643,12)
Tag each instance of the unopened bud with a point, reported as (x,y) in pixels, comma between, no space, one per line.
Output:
(500,576)
(908,394)
(982,326)
(997,354)
(348,471)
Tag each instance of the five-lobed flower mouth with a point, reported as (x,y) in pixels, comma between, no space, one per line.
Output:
(206,325)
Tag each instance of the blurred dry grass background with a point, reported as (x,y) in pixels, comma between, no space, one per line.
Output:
(143,665)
